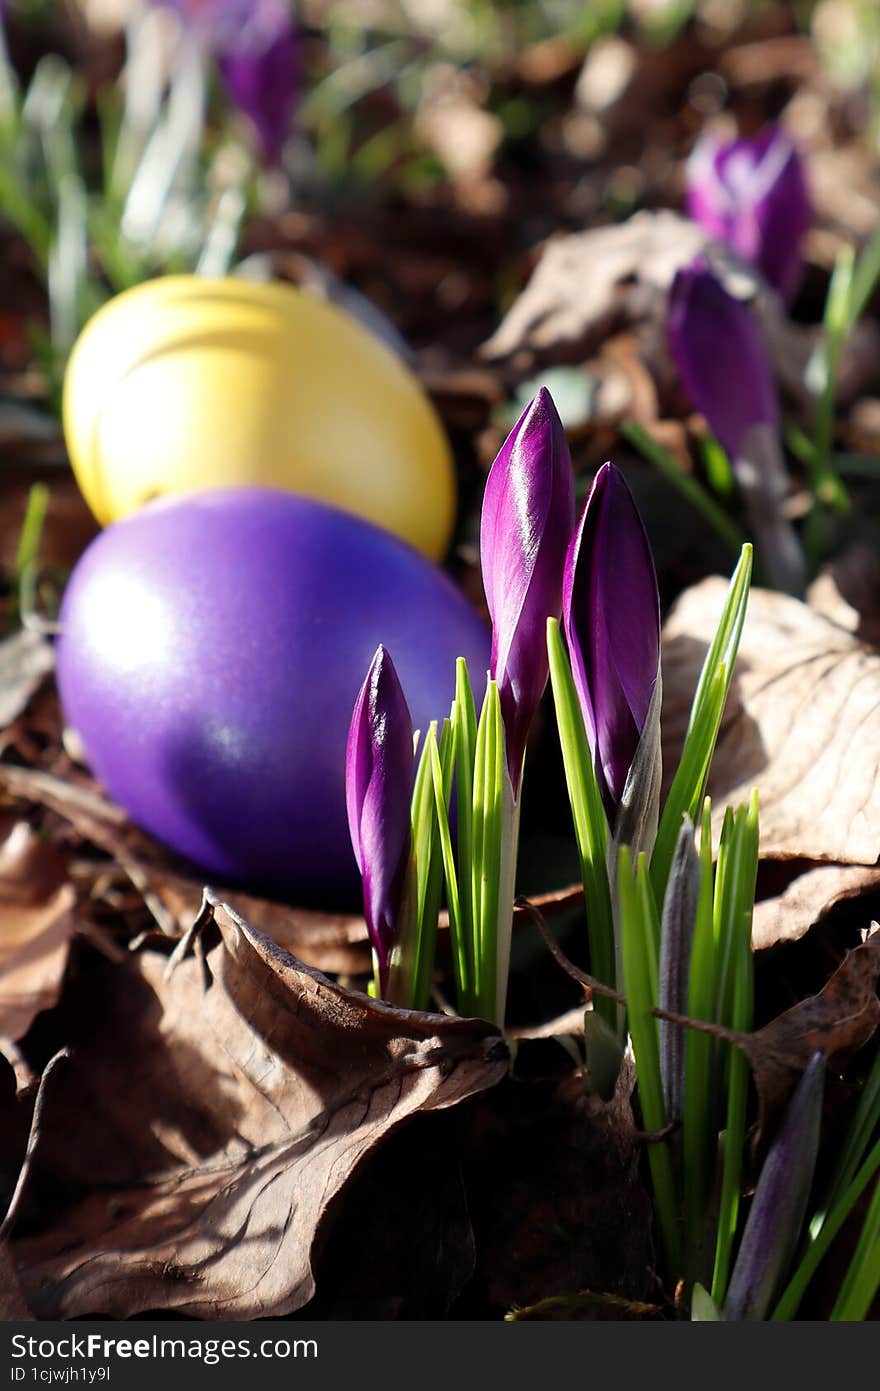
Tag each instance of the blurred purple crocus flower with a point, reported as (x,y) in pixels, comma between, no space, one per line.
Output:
(722,359)
(752,194)
(721,356)
(611,617)
(379,768)
(528,513)
(256,47)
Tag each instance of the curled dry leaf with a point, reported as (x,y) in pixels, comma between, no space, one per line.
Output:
(848,592)
(36,924)
(588,284)
(25,659)
(838,1021)
(801,723)
(809,899)
(241,1092)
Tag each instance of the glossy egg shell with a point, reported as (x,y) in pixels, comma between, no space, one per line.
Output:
(210,654)
(185,383)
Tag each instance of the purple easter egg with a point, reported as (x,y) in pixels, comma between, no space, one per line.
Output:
(211,651)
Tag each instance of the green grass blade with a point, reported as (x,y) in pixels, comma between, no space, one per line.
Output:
(862,1279)
(31,532)
(698,1141)
(464,726)
(862,1129)
(639,935)
(422,821)
(703,1307)
(737,873)
(588,813)
(734,1004)
(689,783)
(428,862)
(684,483)
(460,957)
(489,865)
(864,280)
(481,756)
(735,1132)
(725,643)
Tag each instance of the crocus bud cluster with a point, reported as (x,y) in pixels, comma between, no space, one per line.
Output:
(599,577)
(752,194)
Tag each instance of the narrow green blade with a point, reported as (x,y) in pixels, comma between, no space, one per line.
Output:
(689,783)
(588,813)
(639,934)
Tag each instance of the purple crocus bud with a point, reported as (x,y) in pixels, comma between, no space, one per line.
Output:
(528,513)
(724,365)
(776,1216)
(753,195)
(256,47)
(379,767)
(260,70)
(721,356)
(611,617)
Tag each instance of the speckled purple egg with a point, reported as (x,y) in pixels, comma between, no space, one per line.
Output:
(211,651)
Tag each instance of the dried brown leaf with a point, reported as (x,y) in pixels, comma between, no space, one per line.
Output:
(848,592)
(584,282)
(13,1304)
(229,1102)
(26,658)
(843,186)
(36,924)
(801,723)
(460,133)
(588,284)
(808,899)
(838,1021)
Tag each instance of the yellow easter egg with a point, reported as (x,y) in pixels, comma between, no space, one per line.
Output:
(185,383)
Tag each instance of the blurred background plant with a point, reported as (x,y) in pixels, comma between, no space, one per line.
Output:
(146,136)
(155,188)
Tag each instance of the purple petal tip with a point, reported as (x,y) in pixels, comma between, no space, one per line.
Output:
(378,788)
(528,511)
(611,617)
